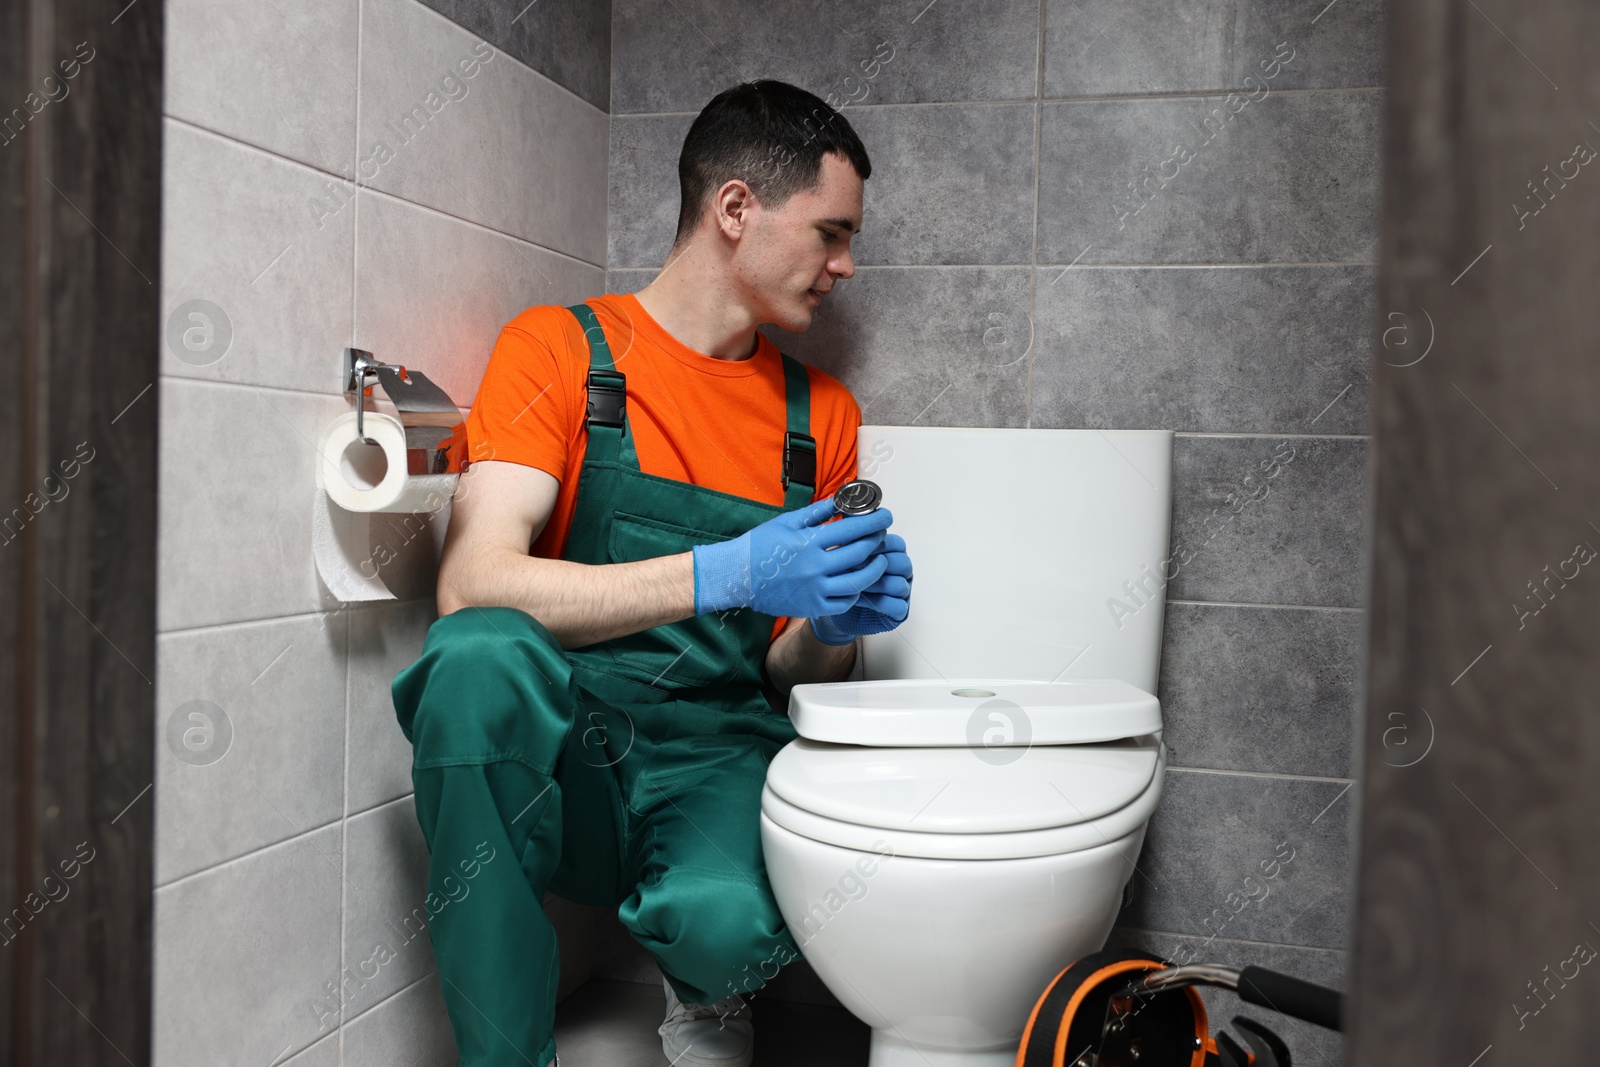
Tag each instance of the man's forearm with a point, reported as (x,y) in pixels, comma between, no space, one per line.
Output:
(797,656)
(578,603)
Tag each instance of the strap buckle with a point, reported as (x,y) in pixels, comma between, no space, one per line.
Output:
(607,398)
(799,459)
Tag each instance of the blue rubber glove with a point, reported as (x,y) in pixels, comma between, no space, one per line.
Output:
(883,605)
(796,564)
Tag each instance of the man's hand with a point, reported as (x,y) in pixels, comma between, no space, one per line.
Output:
(883,605)
(796,564)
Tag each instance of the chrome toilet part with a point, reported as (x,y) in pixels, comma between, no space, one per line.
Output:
(858,497)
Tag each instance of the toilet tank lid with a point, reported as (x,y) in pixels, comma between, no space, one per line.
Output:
(983,713)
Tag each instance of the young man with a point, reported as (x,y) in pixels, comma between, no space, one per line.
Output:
(640,541)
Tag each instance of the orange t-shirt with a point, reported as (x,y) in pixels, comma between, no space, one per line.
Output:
(711,422)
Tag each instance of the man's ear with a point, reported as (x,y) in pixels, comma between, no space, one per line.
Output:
(732,206)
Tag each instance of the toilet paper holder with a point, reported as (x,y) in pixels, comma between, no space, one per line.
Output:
(428,415)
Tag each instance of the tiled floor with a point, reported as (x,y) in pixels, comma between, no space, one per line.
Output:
(613,1024)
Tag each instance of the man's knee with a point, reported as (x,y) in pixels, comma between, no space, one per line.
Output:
(491,683)
(720,934)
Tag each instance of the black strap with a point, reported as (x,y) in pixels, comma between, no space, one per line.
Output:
(799,459)
(608,395)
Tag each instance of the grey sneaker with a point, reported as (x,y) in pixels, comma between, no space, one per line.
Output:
(708,1035)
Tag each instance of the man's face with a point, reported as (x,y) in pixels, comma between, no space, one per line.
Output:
(791,257)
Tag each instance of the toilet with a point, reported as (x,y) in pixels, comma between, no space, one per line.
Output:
(952,830)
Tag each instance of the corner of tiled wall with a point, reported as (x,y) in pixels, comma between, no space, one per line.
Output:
(287,845)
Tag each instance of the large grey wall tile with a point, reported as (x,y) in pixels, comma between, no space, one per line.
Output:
(950,184)
(1245,349)
(384,640)
(676,57)
(280,75)
(1266,520)
(1213,843)
(1260,689)
(1310,1045)
(242,953)
(1152,46)
(239,234)
(238,478)
(433,292)
(409,1029)
(936,346)
(643,189)
(270,764)
(1290,178)
(386,940)
(568,43)
(505,147)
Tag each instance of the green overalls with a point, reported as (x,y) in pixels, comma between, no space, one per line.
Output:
(625,772)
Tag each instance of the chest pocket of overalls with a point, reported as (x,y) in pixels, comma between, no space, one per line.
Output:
(707,650)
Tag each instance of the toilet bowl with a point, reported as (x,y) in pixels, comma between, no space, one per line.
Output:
(954,829)
(936,887)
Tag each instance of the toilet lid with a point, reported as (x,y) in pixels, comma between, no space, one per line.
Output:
(903,713)
(963,791)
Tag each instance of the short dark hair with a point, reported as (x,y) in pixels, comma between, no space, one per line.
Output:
(769,134)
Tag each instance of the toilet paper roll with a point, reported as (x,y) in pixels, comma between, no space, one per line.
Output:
(360,477)
(355,480)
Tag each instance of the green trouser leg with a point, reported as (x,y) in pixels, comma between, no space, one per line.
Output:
(501,780)
(701,902)
(496,950)
(521,775)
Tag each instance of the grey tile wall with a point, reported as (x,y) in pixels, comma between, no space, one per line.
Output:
(1289,178)
(270,696)
(1256,349)
(568,43)
(409,1029)
(287,845)
(243,952)
(1114,215)
(1156,46)
(1286,701)
(551,143)
(1269,520)
(677,57)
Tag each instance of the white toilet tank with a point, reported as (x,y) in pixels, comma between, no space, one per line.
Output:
(1038,555)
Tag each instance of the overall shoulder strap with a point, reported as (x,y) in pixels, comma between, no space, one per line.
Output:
(799,447)
(606,418)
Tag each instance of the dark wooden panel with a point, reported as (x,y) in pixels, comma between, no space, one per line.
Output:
(81,165)
(12,79)
(1479,872)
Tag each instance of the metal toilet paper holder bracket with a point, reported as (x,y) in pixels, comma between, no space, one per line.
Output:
(427,413)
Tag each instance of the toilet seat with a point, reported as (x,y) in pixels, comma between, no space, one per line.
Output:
(953,804)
